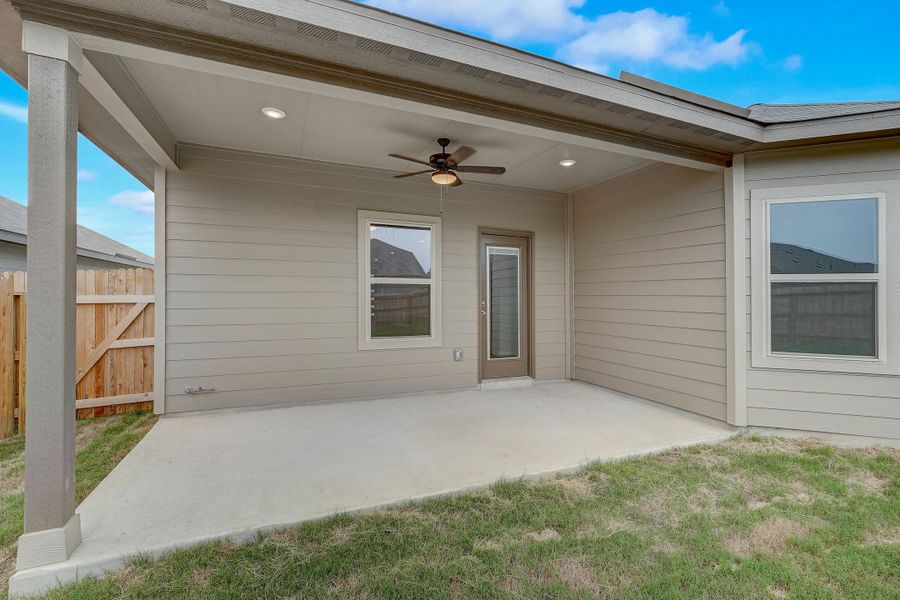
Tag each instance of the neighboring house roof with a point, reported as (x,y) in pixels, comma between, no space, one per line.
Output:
(789,258)
(391,261)
(793,113)
(14,228)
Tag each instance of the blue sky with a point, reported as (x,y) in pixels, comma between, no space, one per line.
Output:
(740,52)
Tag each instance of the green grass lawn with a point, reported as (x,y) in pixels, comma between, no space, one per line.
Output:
(101,444)
(750,518)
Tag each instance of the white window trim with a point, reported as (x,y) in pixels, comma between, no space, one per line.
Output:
(761,353)
(366,218)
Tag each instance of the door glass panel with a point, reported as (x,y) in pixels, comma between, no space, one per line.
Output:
(828,236)
(401,310)
(825,318)
(503,302)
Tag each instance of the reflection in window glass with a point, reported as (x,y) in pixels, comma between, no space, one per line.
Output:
(400,310)
(397,251)
(828,236)
(825,318)
(503,296)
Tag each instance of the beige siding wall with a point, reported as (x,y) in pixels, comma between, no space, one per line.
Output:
(12,257)
(261,299)
(650,287)
(835,402)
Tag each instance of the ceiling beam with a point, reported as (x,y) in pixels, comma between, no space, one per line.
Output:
(159,146)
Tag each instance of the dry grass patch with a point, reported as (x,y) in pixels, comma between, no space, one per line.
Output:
(577,575)
(201,577)
(883,536)
(482,545)
(574,488)
(341,535)
(545,535)
(771,536)
(867,482)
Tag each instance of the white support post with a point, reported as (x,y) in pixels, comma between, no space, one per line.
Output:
(570,286)
(52,529)
(736,292)
(159,287)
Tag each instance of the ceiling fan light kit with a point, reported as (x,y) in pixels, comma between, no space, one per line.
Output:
(445,168)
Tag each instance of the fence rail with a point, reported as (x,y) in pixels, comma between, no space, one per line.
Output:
(113,351)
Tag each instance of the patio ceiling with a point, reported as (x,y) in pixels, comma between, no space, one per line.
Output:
(198,107)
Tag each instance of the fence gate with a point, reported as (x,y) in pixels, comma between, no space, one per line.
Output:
(114,344)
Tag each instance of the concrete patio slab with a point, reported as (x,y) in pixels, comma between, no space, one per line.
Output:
(231,474)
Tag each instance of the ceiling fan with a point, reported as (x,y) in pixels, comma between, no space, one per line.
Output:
(444,167)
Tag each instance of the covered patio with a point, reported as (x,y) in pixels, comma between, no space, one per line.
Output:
(268,140)
(230,474)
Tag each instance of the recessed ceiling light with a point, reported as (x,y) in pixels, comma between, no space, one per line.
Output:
(567,163)
(273,113)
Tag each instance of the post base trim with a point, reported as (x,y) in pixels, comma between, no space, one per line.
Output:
(49,546)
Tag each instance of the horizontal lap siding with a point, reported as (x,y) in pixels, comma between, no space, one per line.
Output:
(650,287)
(818,401)
(261,299)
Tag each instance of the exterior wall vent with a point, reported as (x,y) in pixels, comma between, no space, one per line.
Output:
(513,82)
(251,16)
(553,92)
(373,46)
(323,33)
(198,4)
(428,60)
(471,71)
(587,101)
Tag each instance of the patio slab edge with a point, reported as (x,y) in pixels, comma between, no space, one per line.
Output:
(39,580)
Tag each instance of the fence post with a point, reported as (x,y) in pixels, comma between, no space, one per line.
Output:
(21,347)
(7,357)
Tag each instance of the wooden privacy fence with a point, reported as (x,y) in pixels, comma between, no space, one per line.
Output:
(113,347)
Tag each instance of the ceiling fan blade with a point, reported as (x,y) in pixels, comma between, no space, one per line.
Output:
(461,154)
(457,183)
(415,160)
(411,174)
(486,170)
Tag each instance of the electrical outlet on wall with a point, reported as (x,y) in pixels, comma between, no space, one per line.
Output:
(457,354)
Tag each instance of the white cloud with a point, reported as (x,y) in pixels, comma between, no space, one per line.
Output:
(650,36)
(85,175)
(792,63)
(525,20)
(14,112)
(645,36)
(139,202)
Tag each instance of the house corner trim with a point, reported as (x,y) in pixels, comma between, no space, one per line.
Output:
(736,292)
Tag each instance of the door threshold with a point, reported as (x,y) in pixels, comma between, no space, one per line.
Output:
(505,383)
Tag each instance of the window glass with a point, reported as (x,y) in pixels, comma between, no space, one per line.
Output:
(503,291)
(825,318)
(400,310)
(396,251)
(828,236)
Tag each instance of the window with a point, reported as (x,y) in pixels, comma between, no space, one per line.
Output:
(819,281)
(399,280)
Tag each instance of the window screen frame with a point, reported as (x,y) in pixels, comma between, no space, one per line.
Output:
(762,354)
(366,219)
